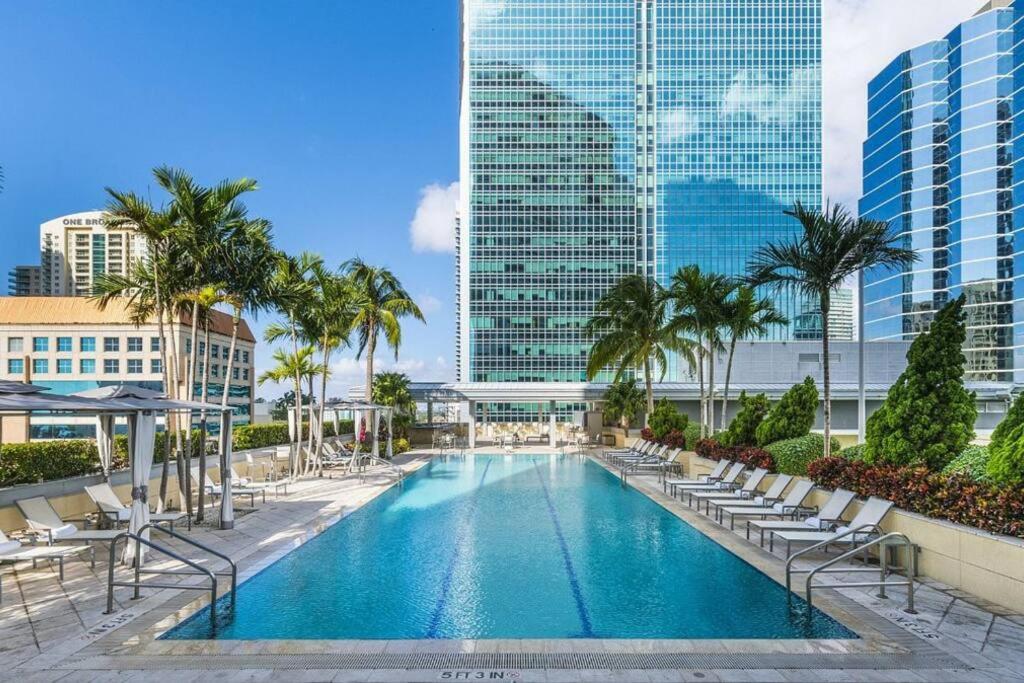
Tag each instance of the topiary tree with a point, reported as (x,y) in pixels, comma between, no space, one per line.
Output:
(665,419)
(1006,463)
(743,428)
(928,417)
(792,456)
(1014,418)
(623,401)
(792,417)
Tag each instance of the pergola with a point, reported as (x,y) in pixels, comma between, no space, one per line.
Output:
(139,406)
(365,407)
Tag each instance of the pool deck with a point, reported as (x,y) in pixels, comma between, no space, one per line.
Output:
(57,631)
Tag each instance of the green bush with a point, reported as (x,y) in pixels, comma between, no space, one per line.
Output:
(121,447)
(665,418)
(792,417)
(792,456)
(692,434)
(742,430)
(972,462)
(1014,418)
(1006,464)
(928,417)
(853,452)
(31,463)
(400,445)
(249,436)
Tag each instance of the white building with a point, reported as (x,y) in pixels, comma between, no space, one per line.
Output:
(74,249)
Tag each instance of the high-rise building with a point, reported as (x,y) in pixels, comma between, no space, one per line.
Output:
(76,248)
(610,137)
(841,318)
(942,163)
(25,281)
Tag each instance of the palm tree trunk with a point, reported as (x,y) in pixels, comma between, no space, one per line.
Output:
(175,370)
(190,394)
(225,464)
(323,401)
(371,347)
(712,352)
(165,472)
(648,382)
(202,422)
(826,374)
(728,377)
(700,383)
(298,393)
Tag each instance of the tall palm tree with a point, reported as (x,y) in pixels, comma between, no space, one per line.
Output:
(380,302)
(746,316)
(699,303)
(831,249)
(630,331)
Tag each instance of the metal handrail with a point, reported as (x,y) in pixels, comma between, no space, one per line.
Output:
(201,546)
(881,541)
(140,541)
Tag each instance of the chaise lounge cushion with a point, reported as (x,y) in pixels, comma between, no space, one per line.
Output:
(9,547)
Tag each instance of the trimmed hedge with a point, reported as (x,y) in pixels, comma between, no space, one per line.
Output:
(972,462)
(957,498)
(853,452)
(751,456)
(31,463)
(249,436)
(792,456)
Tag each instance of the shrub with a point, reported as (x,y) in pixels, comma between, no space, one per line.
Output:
(928,416)
(1014,418)
(400,445)
(1006,465)
(972,462)
(665,418)
(957,498)
(692,434)
(748,455)
(248,436)
(31,463)
(647,434)
(743,428)
(792,416)
(674,439)
(853,452)
(792,456)
(121,447)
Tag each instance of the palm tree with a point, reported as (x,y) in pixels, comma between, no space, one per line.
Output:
(629,331)
(380,304)
(622,401)
(746,316)
(392,389)
(832,248)
(699,308)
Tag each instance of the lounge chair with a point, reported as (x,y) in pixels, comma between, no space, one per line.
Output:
(830,516)
(868,519)
(43,521)
(654,455)
(727,483)
(645,449)
(774,494)
(715,475)
(660,465)
(748,490)
(215,490)
(14,551)
(790,506)
(111,507)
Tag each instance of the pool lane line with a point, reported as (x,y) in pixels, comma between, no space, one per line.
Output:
(574,583)
(449,574)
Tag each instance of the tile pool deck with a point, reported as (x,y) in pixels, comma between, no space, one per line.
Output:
(53,631)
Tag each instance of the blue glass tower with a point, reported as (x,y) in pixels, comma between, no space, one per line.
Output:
(609,137)
(940,163)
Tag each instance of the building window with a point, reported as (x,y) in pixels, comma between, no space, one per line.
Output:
(64,344)
(245,374)
(224,352)
(15,345)
(111,344)
(111,366)
(202,368)
(154,344)
(135,344)
(134,366)
(40,366)
(213,370)
(63,366)
(15,366)
(40,344)
(188,346)
(234,372)
(235,357)
(202,348)
(87,344)
(245,357)
(214,350)
(154,366)
(87,366)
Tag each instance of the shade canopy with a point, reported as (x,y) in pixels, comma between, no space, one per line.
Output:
(9,387)
(143,399)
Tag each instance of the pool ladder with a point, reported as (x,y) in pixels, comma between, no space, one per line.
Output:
(883,542)
(194,568)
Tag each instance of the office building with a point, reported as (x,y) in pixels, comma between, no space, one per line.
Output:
(841,319)
(941,163)
(612,137)
(74,249)
(25,281)
(68,345)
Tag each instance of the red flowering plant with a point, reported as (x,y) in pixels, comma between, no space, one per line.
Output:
(748,455)
(647,435)
(674,439)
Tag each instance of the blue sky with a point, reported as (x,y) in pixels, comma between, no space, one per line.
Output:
(343,111)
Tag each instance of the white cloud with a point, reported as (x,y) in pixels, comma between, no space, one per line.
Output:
(753,94)
(428,303)
(860,38)
(483,11)
(347,371)
(433,226)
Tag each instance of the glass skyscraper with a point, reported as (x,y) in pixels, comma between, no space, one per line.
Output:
(940,163)
(607,137)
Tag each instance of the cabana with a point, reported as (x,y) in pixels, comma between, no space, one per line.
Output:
(139,406)
(373,412)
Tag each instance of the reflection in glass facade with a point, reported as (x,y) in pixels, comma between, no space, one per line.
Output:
(607,137)
(939,164)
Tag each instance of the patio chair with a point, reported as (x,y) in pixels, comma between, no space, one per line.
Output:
(111,507)
(868,519)
(715,475)
(747,491)
(639,447)
(215,490)
(727,483)
(653,455)
(659,465)
(830,516)
(14,551)
(43,521)
(774,494)
(789,506)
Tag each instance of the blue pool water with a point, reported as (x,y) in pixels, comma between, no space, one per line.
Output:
(494,546)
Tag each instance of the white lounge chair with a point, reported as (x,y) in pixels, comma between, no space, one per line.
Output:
(659,465)
(774,494)
(748,490)
(868,519)
(788,507)
(638,448)
(715,475)
(654,455)
(215,490)
(727,483)
(14,551)
(645,450)
(831,515)
(43,521)
(111,507)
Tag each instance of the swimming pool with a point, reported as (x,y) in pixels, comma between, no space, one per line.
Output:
(497,546)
